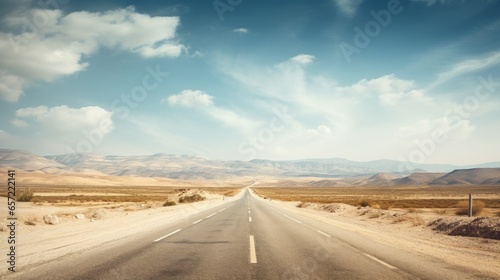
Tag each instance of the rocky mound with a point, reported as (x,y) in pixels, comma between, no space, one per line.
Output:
(485,227)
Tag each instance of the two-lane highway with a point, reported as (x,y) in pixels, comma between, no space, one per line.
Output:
(246,239)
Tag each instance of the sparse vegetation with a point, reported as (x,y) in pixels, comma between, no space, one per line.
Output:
(411,197)
(26,195)
(363,202)
(302,205)
(169,203)
(31,221)
(412,218)
(191,198)
(477,207)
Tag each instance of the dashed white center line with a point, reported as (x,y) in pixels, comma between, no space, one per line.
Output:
(253,255)
(197,221)
(165,236)
(250,219)
(211,215)
(248,211)
(221,210)
(380,261)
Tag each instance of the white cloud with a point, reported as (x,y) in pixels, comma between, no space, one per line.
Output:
(55,47)
(468,66)
(190,98)
(240,30)
(19,123)
(320,131)
(201,100)
(366,111)
(389,90)
(348,7)
(303,59)
(67,120)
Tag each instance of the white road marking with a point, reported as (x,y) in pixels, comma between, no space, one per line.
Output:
(253,255)
(221,210)
(250,219)
(248,211)
(197,221)
(211,215)
(165,236)
(297,221)
(325,234)
(380,261)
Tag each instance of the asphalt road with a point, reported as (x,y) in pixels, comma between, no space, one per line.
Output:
(247,239)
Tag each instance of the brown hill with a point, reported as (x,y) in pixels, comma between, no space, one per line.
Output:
(418,179)
(475,176)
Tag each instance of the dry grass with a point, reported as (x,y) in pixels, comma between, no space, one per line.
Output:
(31,221)
(414,219)
(191,198)
(85,195)
(477,207)
(442,197)
(302,205)
(169,203)
(26,195)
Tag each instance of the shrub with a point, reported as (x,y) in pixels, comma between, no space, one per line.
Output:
(477,207)
(26,195)
(414,219)
(169,203)
(191,198)
(302,204)
(364,202)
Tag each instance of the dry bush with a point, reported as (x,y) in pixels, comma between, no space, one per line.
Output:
(440,211)
(414,219)
(169,203)
(302,204)
(364,202)
(463,207)
(191,198)
(26,195)
(31,221)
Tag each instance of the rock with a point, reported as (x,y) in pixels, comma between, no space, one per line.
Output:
(51,219)
(80,216)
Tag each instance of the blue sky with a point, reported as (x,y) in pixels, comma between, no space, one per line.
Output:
(364,80)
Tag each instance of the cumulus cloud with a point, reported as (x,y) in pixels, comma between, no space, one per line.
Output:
(303,59)
(55,45)
(190,98)
(389,90)
(66,120)
(348,7)
(320,131)
(240,30)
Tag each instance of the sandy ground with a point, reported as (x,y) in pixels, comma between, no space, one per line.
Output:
(42,242)
(407,231)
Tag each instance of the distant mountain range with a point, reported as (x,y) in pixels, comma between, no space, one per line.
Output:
(380,172)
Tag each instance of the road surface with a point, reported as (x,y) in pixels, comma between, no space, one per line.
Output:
(248,238)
